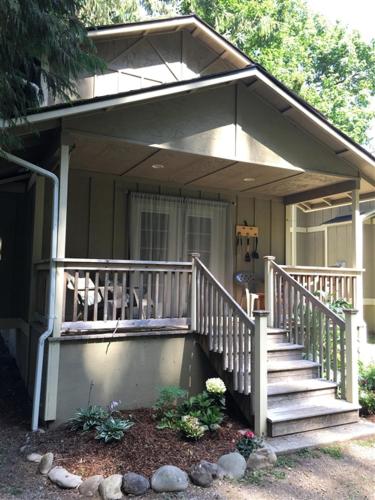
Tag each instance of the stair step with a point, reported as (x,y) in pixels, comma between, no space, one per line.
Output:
(307,416)
(279,371)
(299,391)
(284,351)
(296,386)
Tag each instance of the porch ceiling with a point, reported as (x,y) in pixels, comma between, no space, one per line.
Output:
(121,158)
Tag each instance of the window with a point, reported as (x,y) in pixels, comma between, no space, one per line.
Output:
(198,236)
(154,236)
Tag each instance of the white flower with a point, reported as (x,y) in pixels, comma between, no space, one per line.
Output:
(215,386)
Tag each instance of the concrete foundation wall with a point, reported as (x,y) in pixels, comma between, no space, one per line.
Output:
(131,370)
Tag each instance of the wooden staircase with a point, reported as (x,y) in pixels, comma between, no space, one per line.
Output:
(297,399)
(296,377)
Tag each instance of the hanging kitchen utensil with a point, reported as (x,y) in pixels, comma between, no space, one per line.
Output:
(255,254)
(247,254)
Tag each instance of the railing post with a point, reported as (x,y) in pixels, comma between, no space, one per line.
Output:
(351,336)
(194,291)
(269,288)
(259,373)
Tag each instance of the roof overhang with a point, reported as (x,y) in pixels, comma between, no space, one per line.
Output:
(191,23)
(284,100)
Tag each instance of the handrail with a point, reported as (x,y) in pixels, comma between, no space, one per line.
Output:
(228,296)
(319,304)
(326,271)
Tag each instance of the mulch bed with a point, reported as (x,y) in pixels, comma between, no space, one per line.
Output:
(143,449)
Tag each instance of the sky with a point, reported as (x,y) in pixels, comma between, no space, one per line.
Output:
(357,14)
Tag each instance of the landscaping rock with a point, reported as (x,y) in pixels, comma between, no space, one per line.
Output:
(45,464)
(110,487)
(169,478)
(34,457)
(262,458)
(215,470)
(233,464)
(90,486)
(135,484)
(63,478)
(201,476)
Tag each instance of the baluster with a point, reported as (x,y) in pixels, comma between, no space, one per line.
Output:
(334,353)
(114,295)
(173,293)
(241,360)
(236,352)
(321,359)
(284,303)
(308,328)
(86,295)
(295,314)
(131,295)
(75,296)
(123,295)
(105,308)
(328,350)
(96,296)
(247,382)
(230,339)
(148,295)
(210,309)
(314,335)
(221,323)
(225,335)
(290,309)
(216,314)
(162,296)
(301,320)
(342,363)
(199,301)
(140,295)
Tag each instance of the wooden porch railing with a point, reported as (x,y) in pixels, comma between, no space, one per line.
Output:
(241,342)
(311,323)
(331,282)
(109,294)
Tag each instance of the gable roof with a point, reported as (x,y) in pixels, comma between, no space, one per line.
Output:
(192,23)
(280,96)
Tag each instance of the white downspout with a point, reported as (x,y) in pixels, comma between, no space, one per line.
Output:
(52,280)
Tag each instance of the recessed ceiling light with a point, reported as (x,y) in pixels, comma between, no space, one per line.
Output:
(157,166)
(249,179)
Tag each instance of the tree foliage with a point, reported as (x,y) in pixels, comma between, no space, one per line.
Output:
(99,12)
(43,47)
(326,64)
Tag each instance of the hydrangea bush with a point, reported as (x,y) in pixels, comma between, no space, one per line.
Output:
(215,386)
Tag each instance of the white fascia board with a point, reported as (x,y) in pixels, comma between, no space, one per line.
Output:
(327,128)
(149,94)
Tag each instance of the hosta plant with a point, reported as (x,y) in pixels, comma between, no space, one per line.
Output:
(212,417)
(113,429)
(248,443)
(89,418)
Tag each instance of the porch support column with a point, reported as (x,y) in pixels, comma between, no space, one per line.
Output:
(54,347)
(357,263)
(351,352)
(291,235)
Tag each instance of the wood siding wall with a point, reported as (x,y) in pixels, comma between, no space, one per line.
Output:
(97,218)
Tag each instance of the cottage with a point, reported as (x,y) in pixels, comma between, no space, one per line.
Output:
(147,220)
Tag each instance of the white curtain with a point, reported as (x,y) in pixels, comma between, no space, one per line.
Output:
(171,228)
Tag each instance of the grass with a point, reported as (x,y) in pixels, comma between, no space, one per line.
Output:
(285,462)
(332,451)
(307,453)
(368,443)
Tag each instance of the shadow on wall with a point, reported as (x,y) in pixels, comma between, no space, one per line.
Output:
(130,370)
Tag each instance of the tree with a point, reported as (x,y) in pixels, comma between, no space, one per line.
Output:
(43,47)
(100,12)
(329,66)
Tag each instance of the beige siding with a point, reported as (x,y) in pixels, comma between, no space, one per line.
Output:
(97,209)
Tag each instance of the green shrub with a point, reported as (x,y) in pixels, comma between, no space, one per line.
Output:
(89,418)
(248,443)
(169,398)
(207,407)
(367,388)
(113,429)
(191,428)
